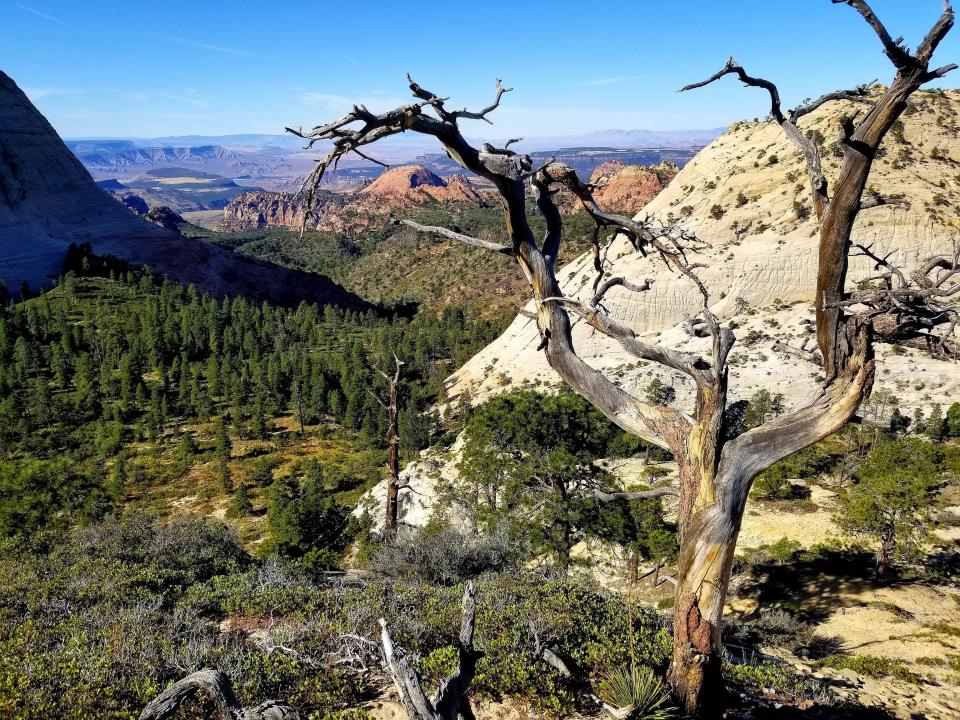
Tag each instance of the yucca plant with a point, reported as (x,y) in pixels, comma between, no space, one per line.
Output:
(635,692)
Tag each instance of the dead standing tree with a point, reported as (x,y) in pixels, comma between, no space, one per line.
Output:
(394,486)
(715,470)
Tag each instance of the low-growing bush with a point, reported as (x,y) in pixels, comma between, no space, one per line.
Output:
(444,555)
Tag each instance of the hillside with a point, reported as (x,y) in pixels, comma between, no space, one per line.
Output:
(48,200)
(746,194)
(356,244)
(396,190)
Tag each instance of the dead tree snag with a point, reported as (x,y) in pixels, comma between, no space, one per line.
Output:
(394,486)
(450,701)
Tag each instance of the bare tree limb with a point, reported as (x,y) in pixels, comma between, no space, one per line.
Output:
(216,686)
(663,491)
(482,114)
(458,237)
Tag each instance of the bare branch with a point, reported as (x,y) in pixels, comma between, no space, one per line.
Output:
(482,114)
(687,363)
(859,94)
(818,182)
(619,282)
(666,490)
(458,237)
(939,31)
(216,686)
(898,53)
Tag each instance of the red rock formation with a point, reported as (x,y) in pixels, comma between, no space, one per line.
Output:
(397,189)
(627,188)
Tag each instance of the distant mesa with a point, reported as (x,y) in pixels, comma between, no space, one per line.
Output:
(114,154)
(48,200)
(110,184)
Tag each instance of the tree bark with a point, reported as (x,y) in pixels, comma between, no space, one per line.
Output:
(705,562)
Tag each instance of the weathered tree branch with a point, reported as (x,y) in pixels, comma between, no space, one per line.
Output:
(450,701)
(455,236)
(663,491)
(216,686)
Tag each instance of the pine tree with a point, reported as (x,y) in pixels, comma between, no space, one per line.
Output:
(116,483)
(936,426)
(241,504)
(223,448)
(898,422)
(953,420)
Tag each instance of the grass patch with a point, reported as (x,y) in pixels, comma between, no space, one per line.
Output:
(872,666)
(891,608)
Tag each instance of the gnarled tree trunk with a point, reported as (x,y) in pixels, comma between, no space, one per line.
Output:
(705,560)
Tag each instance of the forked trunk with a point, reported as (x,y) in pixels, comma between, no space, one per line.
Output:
(705,563)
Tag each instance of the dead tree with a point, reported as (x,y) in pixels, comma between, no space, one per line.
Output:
(216,686)
(450,700)
(394,486)
(715,470)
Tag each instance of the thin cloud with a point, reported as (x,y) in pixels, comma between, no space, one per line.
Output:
(48,18)
(206,46)
(343,103)
(612,80)
(188,98)
(38,93)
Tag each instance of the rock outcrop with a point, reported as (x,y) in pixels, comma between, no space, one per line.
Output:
(397,189)
(48,200)
(746,194)
(627,188)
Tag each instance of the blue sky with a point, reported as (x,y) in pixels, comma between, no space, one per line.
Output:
(145,69)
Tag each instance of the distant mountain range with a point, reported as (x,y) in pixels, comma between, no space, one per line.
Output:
(279,162)
(614,138)
(624,139)
(117,154)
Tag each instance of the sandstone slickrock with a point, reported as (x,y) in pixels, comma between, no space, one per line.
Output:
(746,193)
(48,200)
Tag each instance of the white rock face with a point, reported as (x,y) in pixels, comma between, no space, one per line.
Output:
(763,254)
(416,502)
(743,194)
(48,199)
